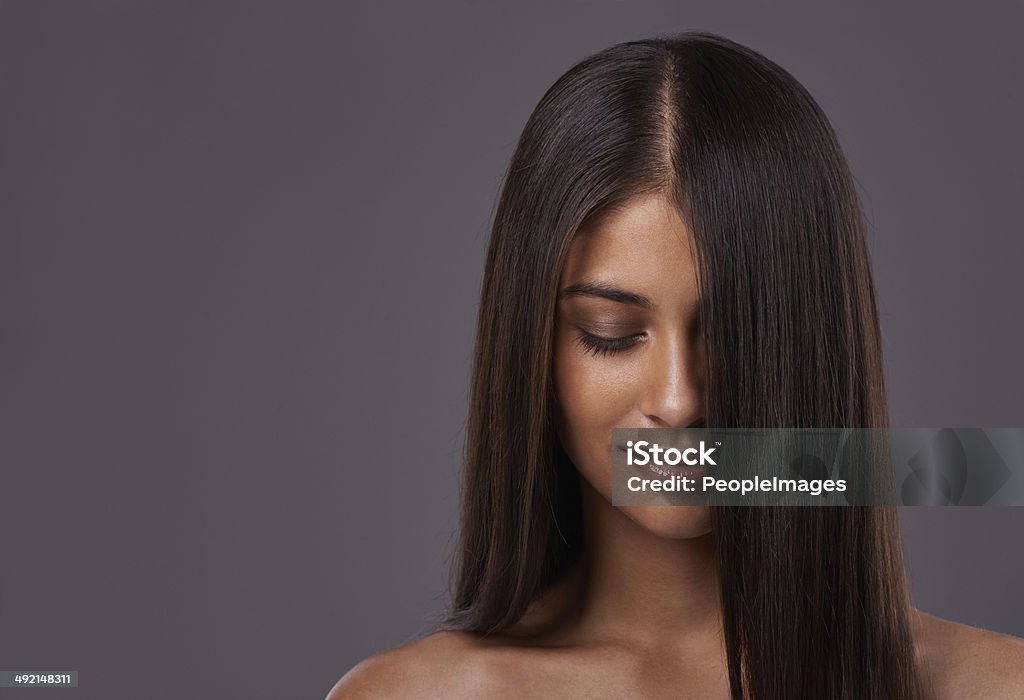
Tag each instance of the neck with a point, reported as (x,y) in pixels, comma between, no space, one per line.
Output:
(634,584)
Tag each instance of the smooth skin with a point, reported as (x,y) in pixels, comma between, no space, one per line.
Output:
(639,616)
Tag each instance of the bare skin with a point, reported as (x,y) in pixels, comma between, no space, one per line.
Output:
(639,616)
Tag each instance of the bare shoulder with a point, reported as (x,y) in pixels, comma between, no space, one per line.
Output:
(968,662)
(443,665)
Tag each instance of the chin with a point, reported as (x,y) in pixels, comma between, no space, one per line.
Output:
(673,522)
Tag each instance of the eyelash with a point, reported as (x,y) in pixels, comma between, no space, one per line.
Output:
(597,345)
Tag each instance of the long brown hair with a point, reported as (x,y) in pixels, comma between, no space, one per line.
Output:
(814,600)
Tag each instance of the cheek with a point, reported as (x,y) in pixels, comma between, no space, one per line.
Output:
(595,395)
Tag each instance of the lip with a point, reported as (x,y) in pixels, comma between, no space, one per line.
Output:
(666,471)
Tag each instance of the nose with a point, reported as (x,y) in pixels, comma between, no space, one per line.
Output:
(673,395)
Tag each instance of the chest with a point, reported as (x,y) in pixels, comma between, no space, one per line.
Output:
(598,676)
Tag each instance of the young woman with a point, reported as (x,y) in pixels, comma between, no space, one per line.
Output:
(678,243)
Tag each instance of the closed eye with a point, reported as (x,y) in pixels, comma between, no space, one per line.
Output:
(598,345)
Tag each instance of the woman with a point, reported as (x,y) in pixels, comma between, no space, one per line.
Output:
(678,243)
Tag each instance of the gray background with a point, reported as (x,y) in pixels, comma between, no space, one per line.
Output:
(240,251)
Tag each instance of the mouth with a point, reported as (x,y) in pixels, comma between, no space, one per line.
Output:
(663,470)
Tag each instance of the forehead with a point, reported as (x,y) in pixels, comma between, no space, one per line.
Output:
(643,246)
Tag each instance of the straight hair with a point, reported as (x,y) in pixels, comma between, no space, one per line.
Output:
(814,599)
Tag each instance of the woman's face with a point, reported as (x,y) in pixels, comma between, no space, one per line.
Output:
(628,351)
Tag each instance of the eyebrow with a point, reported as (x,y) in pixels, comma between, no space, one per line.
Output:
(604,291)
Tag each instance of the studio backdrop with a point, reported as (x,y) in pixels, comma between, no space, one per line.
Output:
(241,248)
